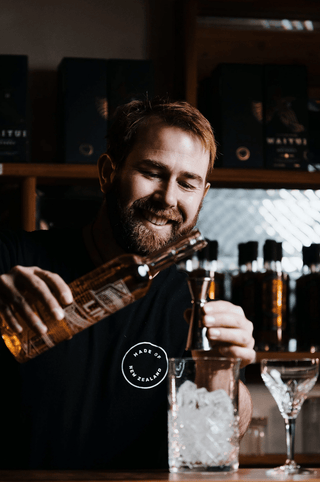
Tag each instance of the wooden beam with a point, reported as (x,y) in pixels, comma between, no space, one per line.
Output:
(28,203)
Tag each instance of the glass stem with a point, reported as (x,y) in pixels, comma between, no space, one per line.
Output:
(290,432)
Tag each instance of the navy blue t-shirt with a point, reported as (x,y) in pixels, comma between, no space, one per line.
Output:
(99,400)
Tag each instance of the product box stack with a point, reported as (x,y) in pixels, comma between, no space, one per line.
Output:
(89,90)
(260,115)
(14,132)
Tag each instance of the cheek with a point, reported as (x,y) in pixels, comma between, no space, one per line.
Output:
(135,188)
(191,204)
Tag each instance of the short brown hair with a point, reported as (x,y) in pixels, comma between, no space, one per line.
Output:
(129,118)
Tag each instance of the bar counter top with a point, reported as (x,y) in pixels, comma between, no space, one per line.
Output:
(257,475)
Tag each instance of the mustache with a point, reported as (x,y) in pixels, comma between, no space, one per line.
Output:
(170,214)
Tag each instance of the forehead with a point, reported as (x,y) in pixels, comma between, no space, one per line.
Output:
(170,144)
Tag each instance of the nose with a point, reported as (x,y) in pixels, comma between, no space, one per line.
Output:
(167,194)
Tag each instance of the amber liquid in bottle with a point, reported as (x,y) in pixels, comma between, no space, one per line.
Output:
(274,298)
(97,295)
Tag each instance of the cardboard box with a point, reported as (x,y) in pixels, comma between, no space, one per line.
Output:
(286,117)
(14,135)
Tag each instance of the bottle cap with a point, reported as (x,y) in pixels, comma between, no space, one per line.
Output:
(213,250)
(270,250)
(202,255)
(242,254)
(279,251)
(252,250)
(306,255)
(209,252)
(311,254)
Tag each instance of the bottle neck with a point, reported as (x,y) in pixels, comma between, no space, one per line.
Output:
(273,265)
(249,266)
(208,265)
(175,252)
(314,268)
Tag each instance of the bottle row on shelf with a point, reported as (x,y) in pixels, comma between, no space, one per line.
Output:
(264,294)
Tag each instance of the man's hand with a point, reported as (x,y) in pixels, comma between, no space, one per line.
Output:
(228,330)
(21,285)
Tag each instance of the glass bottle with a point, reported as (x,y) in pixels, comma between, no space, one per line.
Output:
(308,300)
(245,285)
(274,300)
(97,295)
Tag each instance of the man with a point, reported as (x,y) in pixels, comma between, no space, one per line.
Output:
(81,404)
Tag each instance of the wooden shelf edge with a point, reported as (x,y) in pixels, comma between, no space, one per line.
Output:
(264,178)
(260,355)
(62,171)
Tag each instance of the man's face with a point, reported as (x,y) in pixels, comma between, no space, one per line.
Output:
(156,197)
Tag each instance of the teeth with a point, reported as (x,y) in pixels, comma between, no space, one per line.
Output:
(155,219)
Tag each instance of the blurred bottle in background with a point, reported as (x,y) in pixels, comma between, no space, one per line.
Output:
(254,441)
(245,285)
(308,300)
(310,424)
(274,333)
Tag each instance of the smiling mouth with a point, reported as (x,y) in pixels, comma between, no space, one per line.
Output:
(154,219)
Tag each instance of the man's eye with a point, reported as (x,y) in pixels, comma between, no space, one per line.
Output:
(186,185)
(150,174)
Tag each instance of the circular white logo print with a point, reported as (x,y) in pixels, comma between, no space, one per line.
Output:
(145,365)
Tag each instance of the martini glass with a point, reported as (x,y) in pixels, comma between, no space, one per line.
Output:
(289,382)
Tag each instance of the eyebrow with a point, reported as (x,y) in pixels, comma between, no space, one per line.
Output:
(164,167)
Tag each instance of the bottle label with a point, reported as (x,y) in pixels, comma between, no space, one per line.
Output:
(86,310)
(101,303)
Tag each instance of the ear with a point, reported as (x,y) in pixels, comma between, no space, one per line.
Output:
(106,172)
(208,185)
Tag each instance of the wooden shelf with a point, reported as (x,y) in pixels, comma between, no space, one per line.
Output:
(275,355)
(204,46)
(31,175)
(265,178)
(45,171)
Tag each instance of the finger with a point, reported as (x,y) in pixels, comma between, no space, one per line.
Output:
(8,317)
(228,320)
(220,306)
(56,284)
(18,311)
(13,305)
(246,355)
(23,280)
(30,283)
(233,336)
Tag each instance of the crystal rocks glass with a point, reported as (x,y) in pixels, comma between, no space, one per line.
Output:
(203,421)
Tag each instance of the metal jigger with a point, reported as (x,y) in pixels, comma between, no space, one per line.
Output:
(197,335)
(201,270)
(201,281)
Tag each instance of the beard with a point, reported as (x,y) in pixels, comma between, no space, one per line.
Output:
(129,230)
